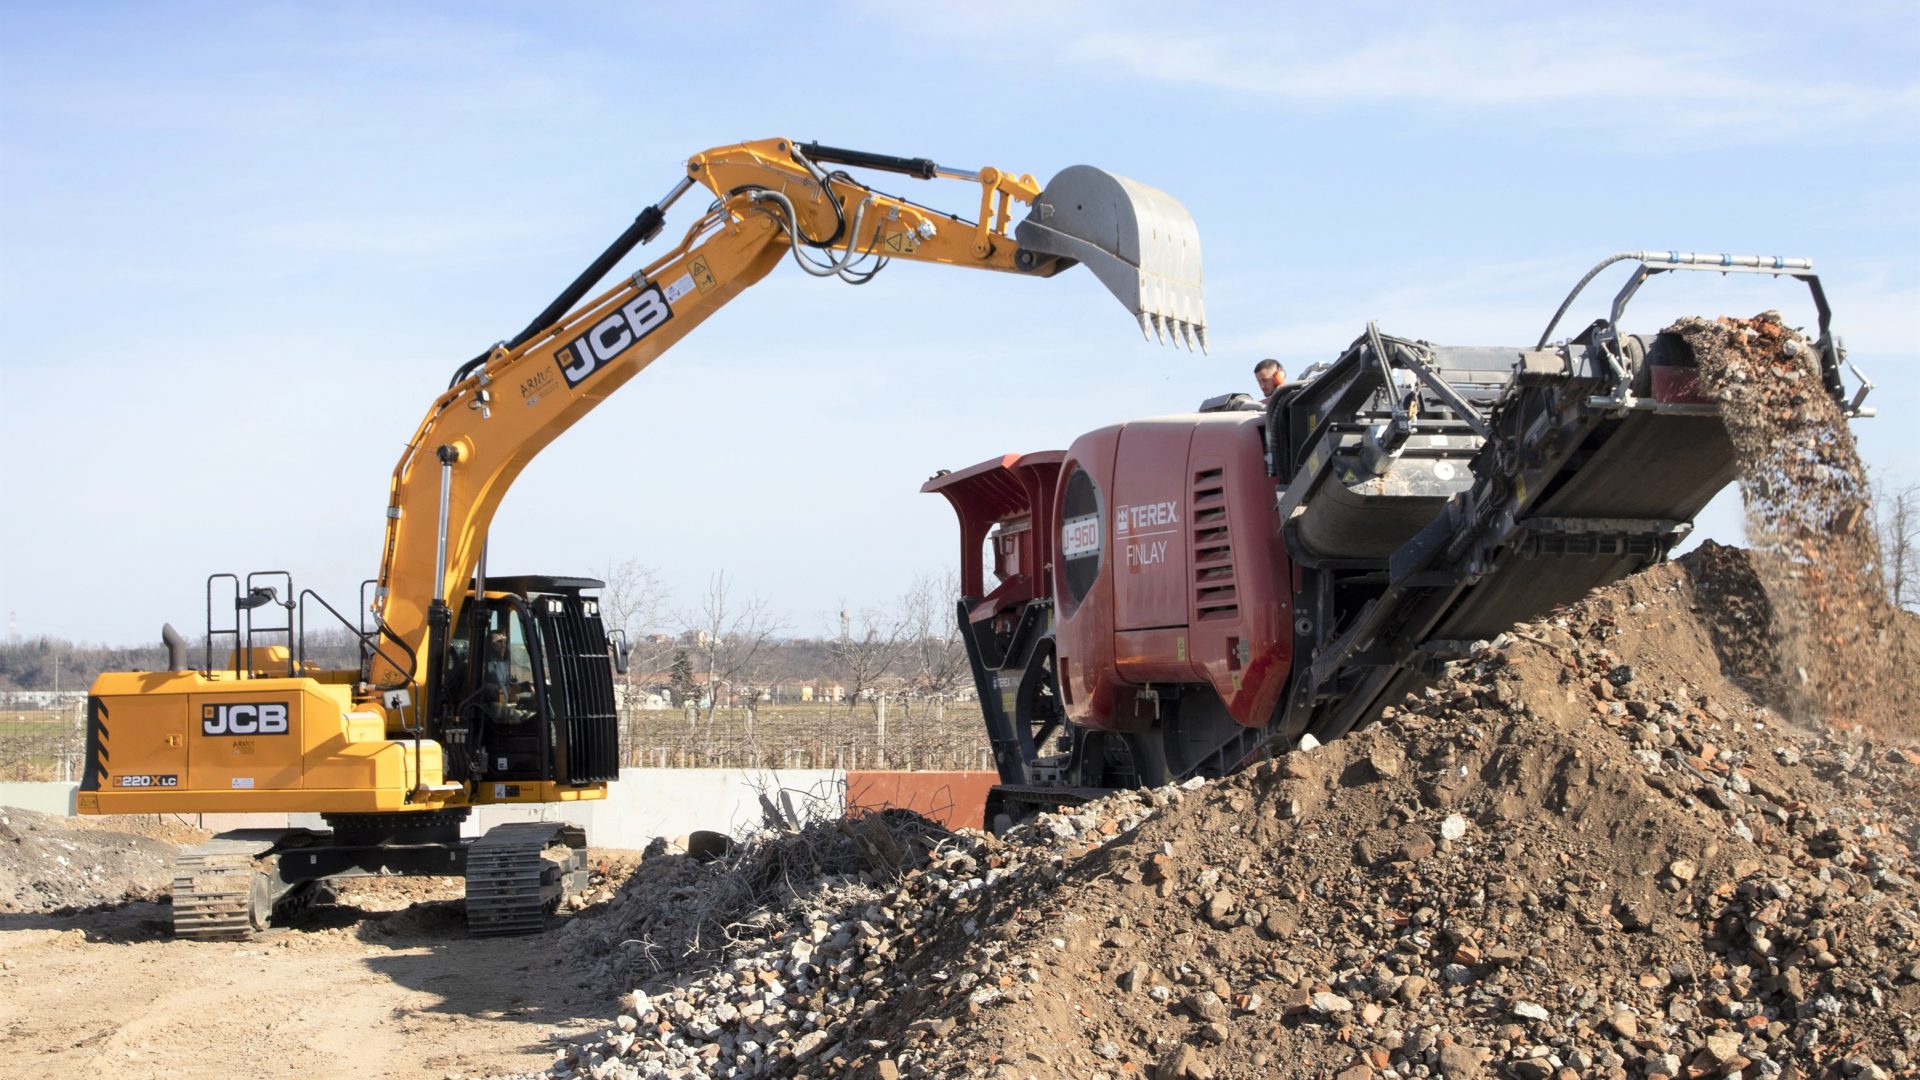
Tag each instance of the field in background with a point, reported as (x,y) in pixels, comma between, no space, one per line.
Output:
(47,744)
(41,744)
(811,736)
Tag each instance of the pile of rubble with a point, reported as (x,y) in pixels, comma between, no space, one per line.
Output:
(1584,855)
(54,864)
(767,960)
(1587,853)
(1623,841)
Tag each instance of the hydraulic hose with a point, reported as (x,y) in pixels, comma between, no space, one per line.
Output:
(844,268)
(644,228)
(1575,294)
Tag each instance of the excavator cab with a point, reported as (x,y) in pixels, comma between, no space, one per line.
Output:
(527,694)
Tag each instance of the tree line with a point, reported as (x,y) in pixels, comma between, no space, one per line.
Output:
(908,651)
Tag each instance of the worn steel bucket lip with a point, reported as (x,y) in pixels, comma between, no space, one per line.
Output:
(1138,240)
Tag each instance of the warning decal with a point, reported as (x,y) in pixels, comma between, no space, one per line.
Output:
(702,276)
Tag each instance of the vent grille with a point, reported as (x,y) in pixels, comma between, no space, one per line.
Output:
(1216,597)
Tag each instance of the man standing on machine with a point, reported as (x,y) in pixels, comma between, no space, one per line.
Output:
(1270,375)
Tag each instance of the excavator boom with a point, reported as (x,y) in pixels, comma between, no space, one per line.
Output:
(773,199)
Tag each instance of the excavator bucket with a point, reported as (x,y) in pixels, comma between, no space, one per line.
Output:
(1139,241)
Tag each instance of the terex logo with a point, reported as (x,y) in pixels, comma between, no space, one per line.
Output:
(250,719)
(1135,518)
(613,335)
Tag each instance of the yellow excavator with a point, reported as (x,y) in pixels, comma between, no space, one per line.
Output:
(474,690)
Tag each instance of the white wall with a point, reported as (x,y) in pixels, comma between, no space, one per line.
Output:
(675,802)
(44,797)
(645,803)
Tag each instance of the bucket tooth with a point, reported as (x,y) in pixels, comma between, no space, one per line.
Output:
(1145,334)
(1139,241)
(1200,332)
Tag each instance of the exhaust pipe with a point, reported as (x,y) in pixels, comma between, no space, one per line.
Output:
(1138,240)
(176,648)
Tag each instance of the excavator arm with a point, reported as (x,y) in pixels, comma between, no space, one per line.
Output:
(773,199)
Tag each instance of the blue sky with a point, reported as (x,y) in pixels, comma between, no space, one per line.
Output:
(243,245)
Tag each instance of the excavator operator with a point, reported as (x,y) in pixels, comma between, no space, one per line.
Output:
(506,698)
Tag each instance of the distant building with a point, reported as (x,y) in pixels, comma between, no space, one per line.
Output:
(42,699)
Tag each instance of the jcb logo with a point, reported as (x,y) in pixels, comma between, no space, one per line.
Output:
(613,335)
(267,719)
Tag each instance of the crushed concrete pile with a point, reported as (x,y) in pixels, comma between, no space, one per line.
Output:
(1660,834)
(54,864)
(1810,524)
(753,960)
(1586,854)
(764,961)
(680,915)
(1589,852)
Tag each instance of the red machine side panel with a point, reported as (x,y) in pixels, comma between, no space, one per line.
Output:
(1150,505)
(1241,628)
(1212,606)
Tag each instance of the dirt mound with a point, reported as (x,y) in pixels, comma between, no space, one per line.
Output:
(1847,650)
(1586,851)
(1651,836)
(1591,851)
(52,864)
(169,828)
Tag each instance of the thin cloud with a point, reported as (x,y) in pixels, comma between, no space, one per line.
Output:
(1655,76)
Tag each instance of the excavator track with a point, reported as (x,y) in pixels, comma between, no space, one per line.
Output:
(220,892)
(513,881)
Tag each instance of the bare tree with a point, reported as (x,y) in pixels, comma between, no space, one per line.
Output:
(730,640)
(1899,524)
(634,602)
(936,656)
(861,657)
(631,603)
(17,749)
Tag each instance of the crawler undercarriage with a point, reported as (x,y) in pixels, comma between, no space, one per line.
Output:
(242,882)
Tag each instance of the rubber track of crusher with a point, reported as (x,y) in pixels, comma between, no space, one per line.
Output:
(214,898)
(511,885)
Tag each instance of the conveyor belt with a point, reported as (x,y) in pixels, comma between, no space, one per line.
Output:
(1652,468)
(1612,509)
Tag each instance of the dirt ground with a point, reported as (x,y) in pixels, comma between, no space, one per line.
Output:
(383,984)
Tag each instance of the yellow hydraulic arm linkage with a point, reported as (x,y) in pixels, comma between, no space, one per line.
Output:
(773,199)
